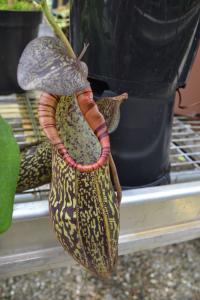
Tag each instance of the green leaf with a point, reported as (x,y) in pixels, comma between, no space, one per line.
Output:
(19,5)
(9,171)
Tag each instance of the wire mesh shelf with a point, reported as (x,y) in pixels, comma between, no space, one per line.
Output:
(20,111)
(185,149)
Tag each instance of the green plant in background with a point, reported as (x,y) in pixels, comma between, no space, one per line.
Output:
(9,171)
(17,5)
(62,13)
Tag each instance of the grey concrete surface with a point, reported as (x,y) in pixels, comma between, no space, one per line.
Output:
(168,273)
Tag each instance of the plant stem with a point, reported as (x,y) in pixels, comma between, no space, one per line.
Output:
(57,29)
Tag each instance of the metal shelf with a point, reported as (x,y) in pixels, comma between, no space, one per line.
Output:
(150,217)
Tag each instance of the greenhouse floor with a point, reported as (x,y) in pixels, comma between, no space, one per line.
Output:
(167,273)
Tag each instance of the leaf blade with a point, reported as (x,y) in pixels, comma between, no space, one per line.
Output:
(9,171)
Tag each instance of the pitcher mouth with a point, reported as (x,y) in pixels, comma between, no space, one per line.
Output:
(47,110)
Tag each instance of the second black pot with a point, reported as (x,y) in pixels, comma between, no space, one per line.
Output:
(17,29)
(143,48)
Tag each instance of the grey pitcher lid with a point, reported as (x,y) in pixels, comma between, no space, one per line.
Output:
(45,65)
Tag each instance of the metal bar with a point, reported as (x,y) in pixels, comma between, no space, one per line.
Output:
(185,120)
(161,193)
(185,176)
(186,126)
(185,163)
(185,154)
(195,138)
(185,146)
(177,134)
(17,129)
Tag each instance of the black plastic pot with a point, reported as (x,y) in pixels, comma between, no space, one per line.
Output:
(17,28)
(142,47)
